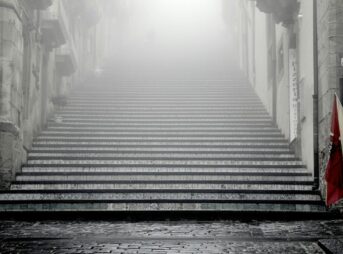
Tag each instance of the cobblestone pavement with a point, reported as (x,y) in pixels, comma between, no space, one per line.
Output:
(169,237)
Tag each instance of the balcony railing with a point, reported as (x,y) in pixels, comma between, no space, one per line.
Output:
(66,61)
(54,30)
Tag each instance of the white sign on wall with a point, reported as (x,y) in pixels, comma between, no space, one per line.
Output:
(293,94)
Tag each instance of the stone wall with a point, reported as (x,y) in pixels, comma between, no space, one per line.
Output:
(11,55)
(46,47)
(330,50)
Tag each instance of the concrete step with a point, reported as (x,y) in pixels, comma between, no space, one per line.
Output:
(213,185)
(167,91)
(95,124)
(206,98)
(162,88)
(172,96)
(67,177)
(155,150)
(202,118)
(156,84)
(127,99)
(199,195)
(165,108)
(167,162)
(215,139)
(162,129)
(168,134)
(160,155)
(166,206)
(165,104)
(148,114)
(184,95)
(175,121)
(120,169)
(156,144)
(159,112)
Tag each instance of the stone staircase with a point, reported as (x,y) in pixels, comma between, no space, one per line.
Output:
(162,146)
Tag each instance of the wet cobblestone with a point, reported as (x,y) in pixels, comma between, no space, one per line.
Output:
(168,237)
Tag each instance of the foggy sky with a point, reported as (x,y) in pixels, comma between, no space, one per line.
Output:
(171,39)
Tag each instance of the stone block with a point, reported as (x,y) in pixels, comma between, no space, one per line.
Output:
(325,103)
(10,154)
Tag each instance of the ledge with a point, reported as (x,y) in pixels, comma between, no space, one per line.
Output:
(40,4)
(54,32)
(9,127)
(283,11)
(66,61)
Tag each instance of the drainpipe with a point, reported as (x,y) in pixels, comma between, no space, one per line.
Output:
(315,101)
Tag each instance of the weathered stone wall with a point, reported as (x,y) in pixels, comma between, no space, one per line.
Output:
(330,48)
(46,47)
(10,152)
(11,55)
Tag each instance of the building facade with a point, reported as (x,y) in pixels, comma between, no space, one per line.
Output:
(291,51)
(39,63)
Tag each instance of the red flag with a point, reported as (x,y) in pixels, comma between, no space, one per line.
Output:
(334,168)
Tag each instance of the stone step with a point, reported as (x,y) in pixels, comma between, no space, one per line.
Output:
(225,95)
(120,169)
(213,185)
(167,162)
(110,83)
(151,118)
(169,144)
(162,88)
(186,94)
(154,89)
(159,112)
(172,96)
(165,104)
(207,99)
(127,99)
(216,139)
(67,177)
(175,121)
(148,114)
(167,206)
(162,108)
(95,124)
(165,172)
(155,150)
(162,129)
(199,195)
(159,86)
(102,85)
(168,134)
(159,156)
